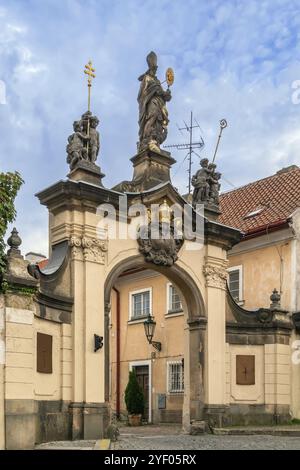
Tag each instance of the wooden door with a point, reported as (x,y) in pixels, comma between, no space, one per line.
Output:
(142,374)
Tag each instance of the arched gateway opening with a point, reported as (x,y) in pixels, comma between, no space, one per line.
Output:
(172,378)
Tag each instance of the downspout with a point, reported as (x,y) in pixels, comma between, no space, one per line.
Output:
(117,353)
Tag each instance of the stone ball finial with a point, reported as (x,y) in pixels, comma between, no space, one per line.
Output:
(275,298)
(14,241)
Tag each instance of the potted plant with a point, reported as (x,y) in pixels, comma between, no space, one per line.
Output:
(134,400)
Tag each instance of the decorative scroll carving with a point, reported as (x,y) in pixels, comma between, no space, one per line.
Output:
(75,244)
(161,251)
(216,276)
(88,249)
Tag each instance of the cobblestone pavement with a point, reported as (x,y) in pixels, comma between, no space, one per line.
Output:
(171,438)
(168,437)
(66,445)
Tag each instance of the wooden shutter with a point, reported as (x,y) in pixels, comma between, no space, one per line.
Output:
(245,370)
(44,353)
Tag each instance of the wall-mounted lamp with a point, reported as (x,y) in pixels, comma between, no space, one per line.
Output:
(98,342)
(149,326)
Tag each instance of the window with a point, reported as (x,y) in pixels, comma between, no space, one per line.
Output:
(235,282)
(175,377)
(173,302)
(253,213)
(140,304)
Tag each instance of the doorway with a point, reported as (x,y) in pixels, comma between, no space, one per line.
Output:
(143,374)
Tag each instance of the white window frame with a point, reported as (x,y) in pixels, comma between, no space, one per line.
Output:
(175,392)
(131,294)
(240,269)
(169,310)
(148,363)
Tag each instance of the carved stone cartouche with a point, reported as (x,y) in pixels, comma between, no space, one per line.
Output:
(161,251)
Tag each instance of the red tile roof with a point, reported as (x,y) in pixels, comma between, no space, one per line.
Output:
(43,263)
(278,196)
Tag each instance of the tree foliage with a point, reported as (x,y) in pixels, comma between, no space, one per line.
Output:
(134,397)
(10,184)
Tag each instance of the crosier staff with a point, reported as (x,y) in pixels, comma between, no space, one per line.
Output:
(90,72)
(169,77)
(223,125)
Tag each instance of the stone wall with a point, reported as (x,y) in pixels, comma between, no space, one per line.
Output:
(2,362)
(268,401)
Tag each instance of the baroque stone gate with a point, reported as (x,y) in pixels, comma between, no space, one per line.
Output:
(55,376)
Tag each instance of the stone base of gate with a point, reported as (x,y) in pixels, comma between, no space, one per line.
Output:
(89,420)
(216,416)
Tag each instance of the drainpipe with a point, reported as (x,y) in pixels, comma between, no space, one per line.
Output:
(117,353)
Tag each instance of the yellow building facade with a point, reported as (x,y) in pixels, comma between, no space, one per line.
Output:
(163,371)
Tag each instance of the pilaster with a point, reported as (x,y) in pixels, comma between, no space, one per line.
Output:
(215,274)
(89,412)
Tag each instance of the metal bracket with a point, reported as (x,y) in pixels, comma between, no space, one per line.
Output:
(156,345)
(98,342)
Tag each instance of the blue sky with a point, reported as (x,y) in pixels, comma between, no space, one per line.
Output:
(232,59)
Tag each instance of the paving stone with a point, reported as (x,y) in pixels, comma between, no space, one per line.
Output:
(162,438)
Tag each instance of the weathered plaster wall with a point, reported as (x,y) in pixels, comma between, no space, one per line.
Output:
(247,393)
(261,273)
(295,306)
(272,375)
(2,362)
(277,374)
(295,375)
(48,386)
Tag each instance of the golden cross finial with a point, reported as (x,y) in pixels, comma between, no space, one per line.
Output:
(90,72)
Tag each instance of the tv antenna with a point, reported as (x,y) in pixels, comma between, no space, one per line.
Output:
(190,146)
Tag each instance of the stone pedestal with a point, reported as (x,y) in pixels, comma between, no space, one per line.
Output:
(89,420)
(88,172)
(95,420)
(150,168)
(216,416)
(211,211)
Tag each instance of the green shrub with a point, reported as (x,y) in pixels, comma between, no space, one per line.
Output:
(10,184)
(134,397)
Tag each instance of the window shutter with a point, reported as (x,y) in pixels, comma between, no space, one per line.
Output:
(234,284)
(245,370)
(44,353)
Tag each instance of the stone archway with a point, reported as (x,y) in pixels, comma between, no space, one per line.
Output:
(83,283)
(195,324)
